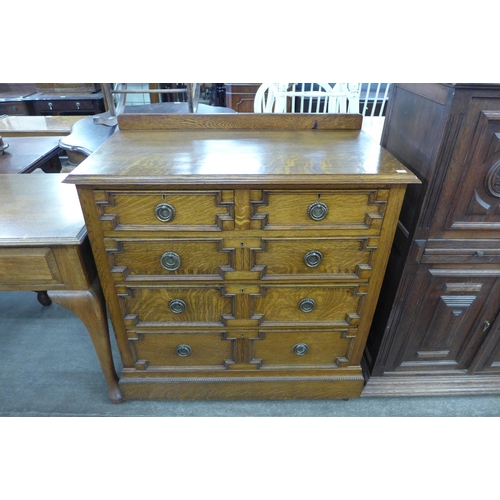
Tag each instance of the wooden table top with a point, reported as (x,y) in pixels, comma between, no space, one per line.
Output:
(12,126)
(39,209)
(24,152)
(235,156)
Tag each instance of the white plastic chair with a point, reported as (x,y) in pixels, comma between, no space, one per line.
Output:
(313,98)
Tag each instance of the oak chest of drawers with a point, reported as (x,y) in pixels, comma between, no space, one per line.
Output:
(241,255)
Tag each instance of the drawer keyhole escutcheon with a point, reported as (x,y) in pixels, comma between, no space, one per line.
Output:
(313,258)
(170,261)
(300,349)
(183,350)
(307,305)
(177,306)
(164,212)
(317,211)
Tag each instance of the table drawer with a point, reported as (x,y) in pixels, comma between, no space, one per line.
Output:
(317,349)
(465,251)
(171,259)
(13,108)
(302,305)
(177,306)
(166,210)
(29,267)
(47,107)
(361,209)
(315,258)
(182,350)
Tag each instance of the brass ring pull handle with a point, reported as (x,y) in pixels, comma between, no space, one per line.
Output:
(317,211)
(183,350)
(307,305)
(170,261)
(313,258)
(300,349)
(177,306)
(164,212)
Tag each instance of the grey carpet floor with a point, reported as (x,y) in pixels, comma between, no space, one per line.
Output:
(49,368)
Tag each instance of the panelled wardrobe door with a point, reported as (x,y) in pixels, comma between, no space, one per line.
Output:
(448,323)
(436,329)
(469,205)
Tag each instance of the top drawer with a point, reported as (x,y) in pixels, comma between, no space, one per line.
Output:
(361,209)
(166,210)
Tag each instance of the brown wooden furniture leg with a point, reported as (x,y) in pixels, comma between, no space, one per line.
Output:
(43,298)
(89,306)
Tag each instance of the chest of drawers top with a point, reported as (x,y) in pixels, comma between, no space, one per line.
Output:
(235,151)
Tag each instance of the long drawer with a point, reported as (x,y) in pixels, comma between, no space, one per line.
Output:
(266,349)
(204,258)
(214,210)
(242,305)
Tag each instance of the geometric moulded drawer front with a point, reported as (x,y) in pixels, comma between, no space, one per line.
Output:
(327,349)
(169,259)
(166,210)
(177,306)
(340,209)
(182,350)
(315,258)
(332,305)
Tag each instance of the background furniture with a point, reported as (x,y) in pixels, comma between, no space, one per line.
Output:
(44,246)
(26,154)
(307,98)
(12,126)
(50,99)
(217,96)
(68,88)
(241,255)
(87,135)
(437,326)
(12,98)
(239,96)
(372,97)
(44,103)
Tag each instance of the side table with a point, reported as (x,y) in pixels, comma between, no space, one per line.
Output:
(44,246)
(26,154)
(15,126)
